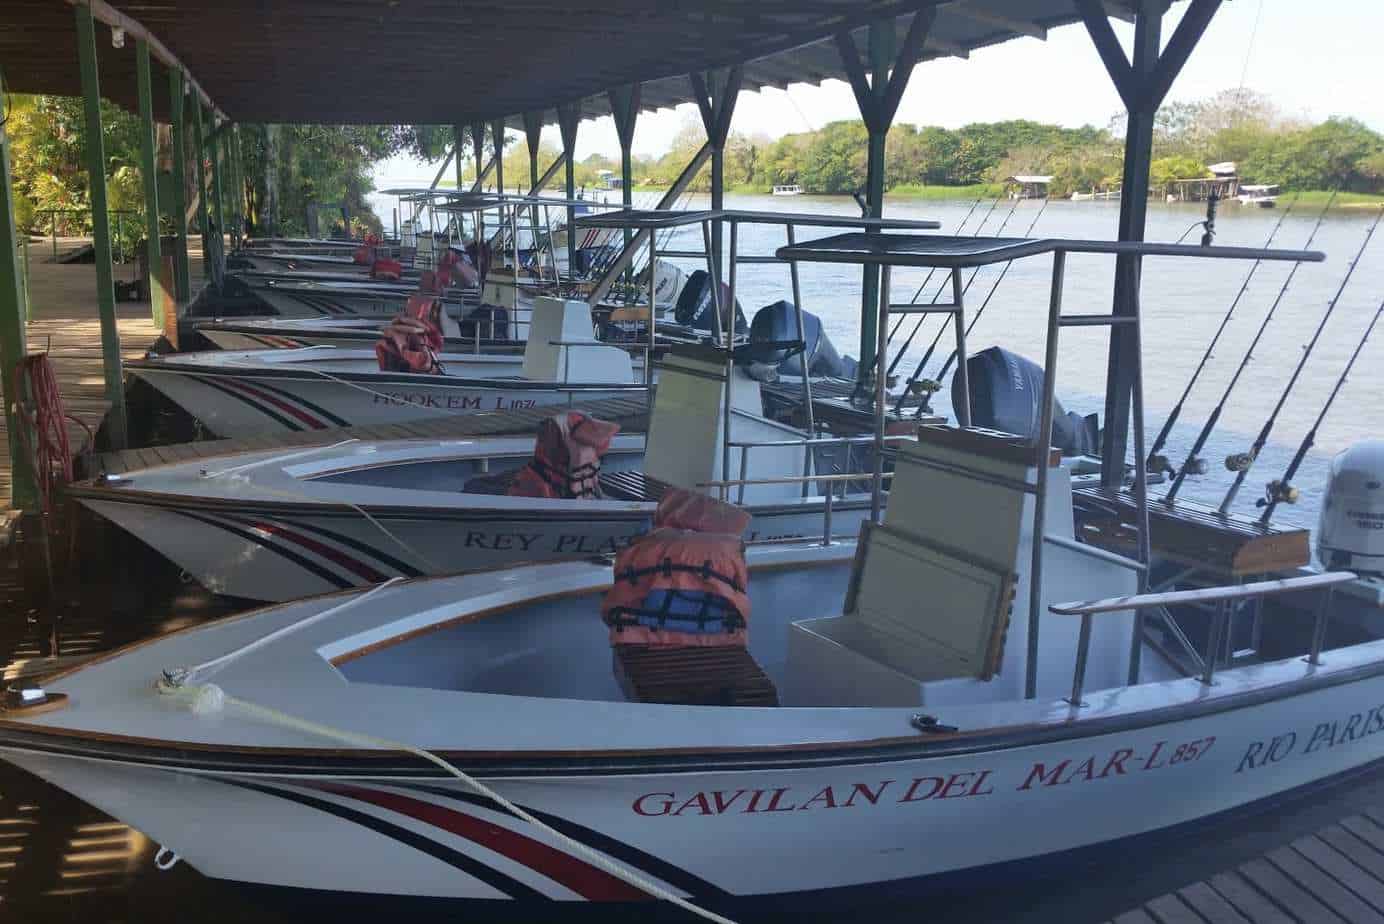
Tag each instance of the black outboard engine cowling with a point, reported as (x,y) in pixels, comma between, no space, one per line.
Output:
(779,323)
(1006,394)
(694,307)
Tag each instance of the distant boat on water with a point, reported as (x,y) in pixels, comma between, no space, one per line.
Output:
(788,189)
(1264,196)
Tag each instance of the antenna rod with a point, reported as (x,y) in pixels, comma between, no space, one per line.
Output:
(1282,490)
(1243,463)
(991,294)
(919,294)
(1192,461)
(1160,464)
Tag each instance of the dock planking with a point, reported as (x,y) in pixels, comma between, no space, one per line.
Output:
(1334,876)
(630,413)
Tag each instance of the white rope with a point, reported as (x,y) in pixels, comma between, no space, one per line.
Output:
(207,698)
(179,677)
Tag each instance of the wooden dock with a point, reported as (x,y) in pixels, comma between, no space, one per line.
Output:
(1334,876)
(630,413)
(64,323)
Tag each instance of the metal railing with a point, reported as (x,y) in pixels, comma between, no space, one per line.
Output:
(808,445)
(828,497)
(114,216)
(1222,596)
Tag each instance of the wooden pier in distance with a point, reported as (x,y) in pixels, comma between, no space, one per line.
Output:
(1334,876)
(64,323)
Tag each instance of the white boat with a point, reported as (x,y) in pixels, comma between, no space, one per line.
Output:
(1264,196)
(312,298)
(474,745)
(245,393)
(258,333)
(280,525)
(787,189)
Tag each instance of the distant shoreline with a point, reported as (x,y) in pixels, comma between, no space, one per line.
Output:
(1312,197)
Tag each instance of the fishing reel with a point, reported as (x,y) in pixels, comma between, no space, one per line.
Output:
(1278,492)
(1239,461)
(925,389)
(1159,465)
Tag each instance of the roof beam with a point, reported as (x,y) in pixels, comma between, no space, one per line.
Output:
(967,10)
(1111,53)
(135,30)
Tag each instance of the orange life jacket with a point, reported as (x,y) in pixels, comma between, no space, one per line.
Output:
(410,342)
(385,268)
(686,582)
(566,459)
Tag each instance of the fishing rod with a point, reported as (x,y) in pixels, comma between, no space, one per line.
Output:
(1157,463)
(1282,489)
(937,295)
(1193,462)
(989,295)
(928,278)
(1241,463)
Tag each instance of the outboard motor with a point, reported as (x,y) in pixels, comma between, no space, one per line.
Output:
(694,305)
(779,323)
(1006,394)
(1350,533)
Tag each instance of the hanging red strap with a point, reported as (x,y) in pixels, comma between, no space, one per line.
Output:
(39,405)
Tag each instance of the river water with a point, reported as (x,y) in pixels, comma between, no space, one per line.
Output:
(1184,301)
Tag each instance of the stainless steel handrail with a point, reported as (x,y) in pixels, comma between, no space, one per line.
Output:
(1223,595)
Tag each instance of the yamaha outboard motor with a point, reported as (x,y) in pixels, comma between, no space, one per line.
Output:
(1350,534)
(779,323)
(694,307)
(1006,394)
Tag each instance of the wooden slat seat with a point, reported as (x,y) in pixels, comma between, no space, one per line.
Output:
(1190,533)
(632,486)
(693,676)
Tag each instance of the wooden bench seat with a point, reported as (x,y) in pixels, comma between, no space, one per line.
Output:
(692,676)
(1190,533)
(632,486)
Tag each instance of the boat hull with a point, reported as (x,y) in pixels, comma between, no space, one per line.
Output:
(275,553)
(805,830)
(250,402)
(290,302)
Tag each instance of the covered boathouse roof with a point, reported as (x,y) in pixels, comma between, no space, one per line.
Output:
(445,61)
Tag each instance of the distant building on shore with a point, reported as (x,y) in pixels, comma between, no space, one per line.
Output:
(1224,181)
(1027,187)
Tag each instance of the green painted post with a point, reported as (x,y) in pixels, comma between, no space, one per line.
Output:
(100,226)
(237,186)
(882,54)
(149,168)
(181,272)
(217,199)
(199,151)
(22,491)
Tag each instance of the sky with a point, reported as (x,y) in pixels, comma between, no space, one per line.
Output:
(1314,59)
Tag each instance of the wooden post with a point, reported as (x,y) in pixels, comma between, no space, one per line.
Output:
(568,118)
(478,150)
(1142,84)
(624,108)
(23,493)
(177,100)
(878,95)
(199,151)
(111,365)
(533,133)
(497,135)
(716,95)
(149,169)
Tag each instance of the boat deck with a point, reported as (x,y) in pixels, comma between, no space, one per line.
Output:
(1333,876)
(630,413)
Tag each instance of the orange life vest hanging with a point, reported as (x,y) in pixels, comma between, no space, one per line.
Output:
(686,582)
(566,459)
(365,253)
(385,268)
(410,342)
